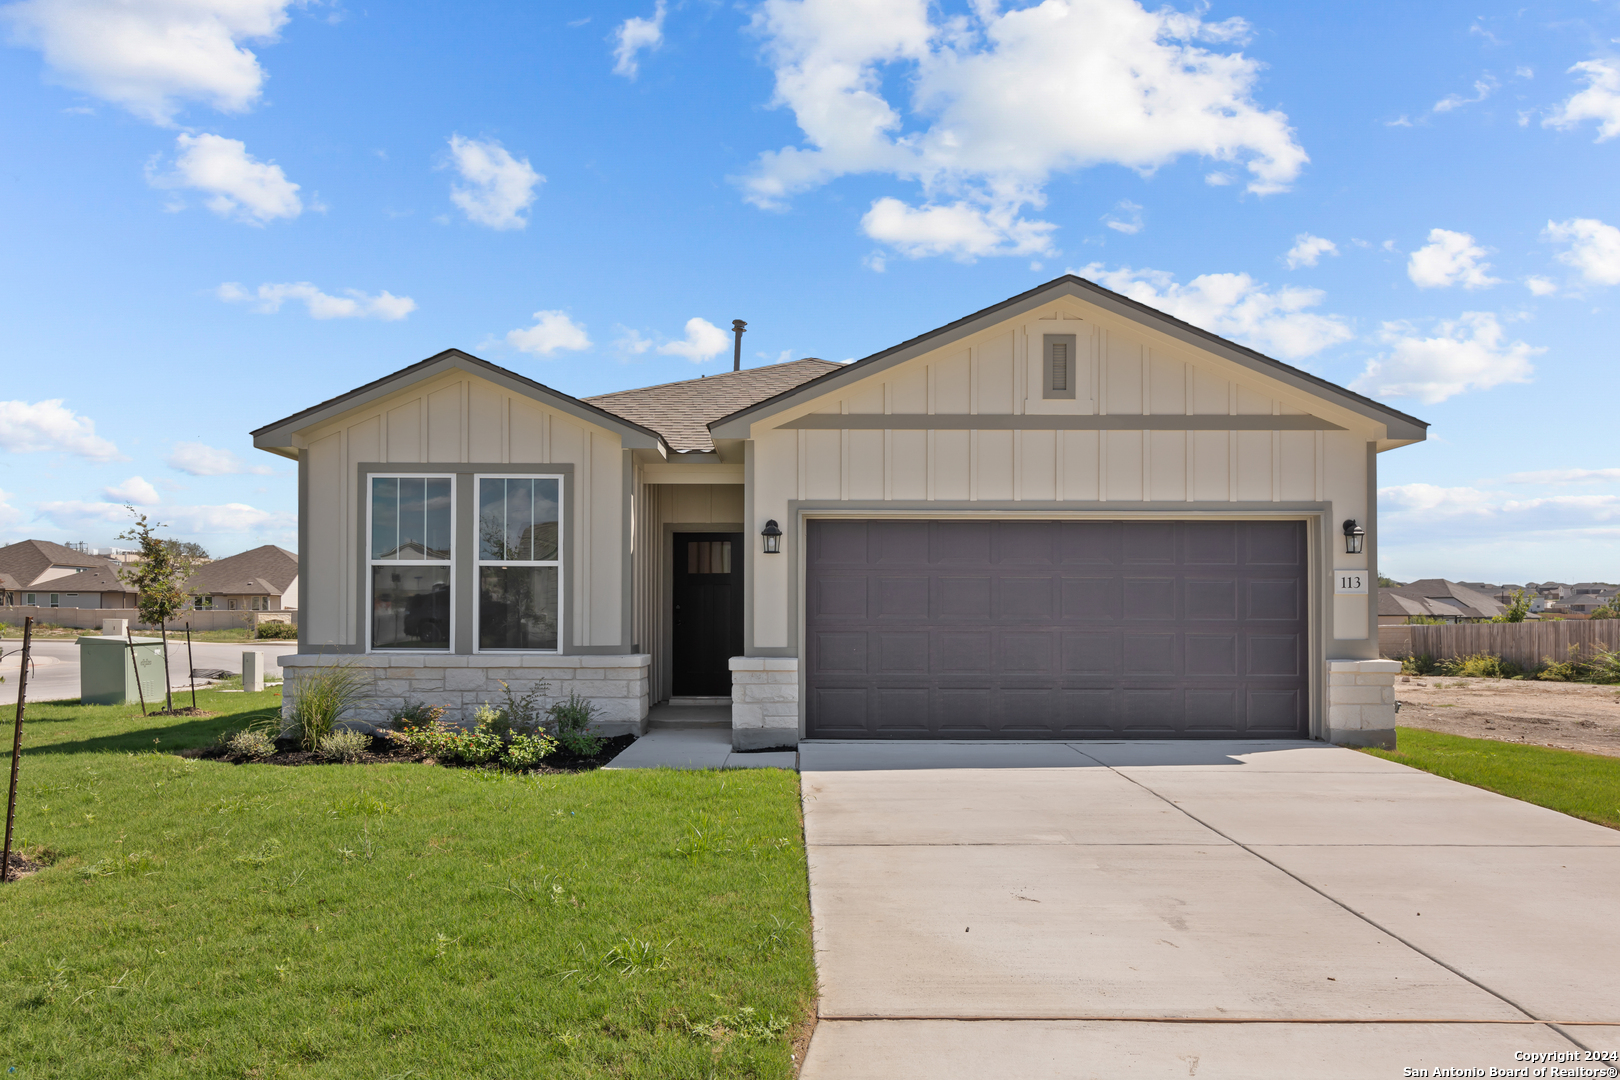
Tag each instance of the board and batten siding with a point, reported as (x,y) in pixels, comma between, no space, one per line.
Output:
(1119,371)
(459,419)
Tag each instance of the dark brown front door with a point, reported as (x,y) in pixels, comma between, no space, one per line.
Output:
(1056,629)
(708,588)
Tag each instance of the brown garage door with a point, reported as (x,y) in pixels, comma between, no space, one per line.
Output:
(1056,629)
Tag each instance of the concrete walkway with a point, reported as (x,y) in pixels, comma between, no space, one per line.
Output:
(1214,910)
(694,737)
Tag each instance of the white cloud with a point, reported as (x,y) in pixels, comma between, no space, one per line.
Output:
(237,186)
(136,490)
(49,426)
(631,341)
(1482,90)
(960,229)
(704,341)
(149,57)
(1500,513)
(1540,286)
(1234,306)
(9,515)
(1594,248)
(499,186)
(1600,100)
(268,298)
(1450,258)
(1565,476)
(1467,353)
(182,521)
(632,36)
(1307,250)
(552,330)
(1126,217)
(1000,101)
(200,459)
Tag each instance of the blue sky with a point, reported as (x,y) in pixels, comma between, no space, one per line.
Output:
(219,212)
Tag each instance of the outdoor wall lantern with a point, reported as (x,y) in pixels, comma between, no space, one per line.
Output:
(773,538)
(1354,536)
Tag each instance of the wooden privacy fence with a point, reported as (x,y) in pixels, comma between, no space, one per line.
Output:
(1525,643)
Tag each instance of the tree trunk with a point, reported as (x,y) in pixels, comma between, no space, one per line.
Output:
(168,695)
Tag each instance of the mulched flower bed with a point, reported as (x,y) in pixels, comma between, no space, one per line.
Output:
(384,751)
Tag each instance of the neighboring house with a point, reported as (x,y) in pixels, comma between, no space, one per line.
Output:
(1436,598)
(263,579)
(1586,602)
(50,575)
(1064,516)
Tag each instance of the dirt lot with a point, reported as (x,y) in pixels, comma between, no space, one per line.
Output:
(1571,716)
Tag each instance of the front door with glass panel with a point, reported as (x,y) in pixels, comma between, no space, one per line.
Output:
(708,595)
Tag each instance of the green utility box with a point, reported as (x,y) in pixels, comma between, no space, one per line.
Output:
(108,666)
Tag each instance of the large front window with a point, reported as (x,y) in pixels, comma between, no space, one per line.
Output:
(412,525)
(519,601)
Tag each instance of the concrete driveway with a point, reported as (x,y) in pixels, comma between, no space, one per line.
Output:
(1204,910)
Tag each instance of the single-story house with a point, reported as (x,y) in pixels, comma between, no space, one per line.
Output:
(1436,598)
(1067,515)
(263,579)
(39,573)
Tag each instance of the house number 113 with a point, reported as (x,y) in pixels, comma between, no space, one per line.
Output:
(1350,582)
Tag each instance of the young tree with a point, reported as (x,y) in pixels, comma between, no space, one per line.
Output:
(1516,610)
(160,578)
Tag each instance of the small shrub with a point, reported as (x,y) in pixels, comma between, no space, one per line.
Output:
(527,751)
(1478,666)
(523,714)
(415,716)
(322,697)
(1418,665)
(344,745)
(1605,666)
(277,631)
(571,723)
(248,744)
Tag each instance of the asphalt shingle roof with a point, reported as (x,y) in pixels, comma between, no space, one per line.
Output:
(262,571)
(27,560)
(682,411)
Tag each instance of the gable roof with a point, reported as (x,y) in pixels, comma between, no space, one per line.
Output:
(26,560)
(682,411)
(278,437)
(1437,596)
(262,571)
(1402,427)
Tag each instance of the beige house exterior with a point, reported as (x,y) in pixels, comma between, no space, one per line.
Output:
(1064,516)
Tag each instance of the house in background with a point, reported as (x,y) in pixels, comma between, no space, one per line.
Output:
(1066,516)
(263,579)
(49,575)
(1436,598)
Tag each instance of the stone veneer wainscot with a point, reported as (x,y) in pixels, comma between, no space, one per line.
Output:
(1361,702)
(616,685)
(764,702)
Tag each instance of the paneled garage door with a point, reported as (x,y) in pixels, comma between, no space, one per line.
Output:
(1056,629)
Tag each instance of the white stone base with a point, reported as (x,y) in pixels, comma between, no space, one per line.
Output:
(1361,702)
(764,702)
(616,685)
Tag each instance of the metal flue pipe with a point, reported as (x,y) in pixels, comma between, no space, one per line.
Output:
(738,327)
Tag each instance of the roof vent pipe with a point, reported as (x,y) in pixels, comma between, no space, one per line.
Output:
(738,327)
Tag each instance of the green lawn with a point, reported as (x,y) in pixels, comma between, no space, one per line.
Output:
(1581,785)
(203,919)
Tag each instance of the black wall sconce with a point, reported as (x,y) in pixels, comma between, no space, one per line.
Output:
(1354,537)
(773,538)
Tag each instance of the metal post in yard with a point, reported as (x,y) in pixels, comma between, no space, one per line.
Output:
(135,665)
(16,746)
(192,664)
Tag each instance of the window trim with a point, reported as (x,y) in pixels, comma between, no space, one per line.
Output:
(478,560)
(1048,392)
(368,562)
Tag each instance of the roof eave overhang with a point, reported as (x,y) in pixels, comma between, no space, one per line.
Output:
(1400,429)
(283,436)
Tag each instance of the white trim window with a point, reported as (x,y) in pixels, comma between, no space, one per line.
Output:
(410,528)
(519,563)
